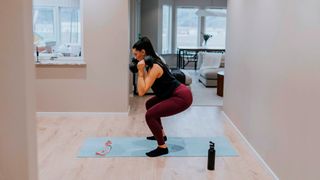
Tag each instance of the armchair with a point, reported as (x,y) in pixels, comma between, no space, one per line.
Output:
(210,64)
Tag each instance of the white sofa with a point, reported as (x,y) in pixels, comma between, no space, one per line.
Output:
(210,63)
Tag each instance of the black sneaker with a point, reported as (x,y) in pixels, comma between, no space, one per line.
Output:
(158,152)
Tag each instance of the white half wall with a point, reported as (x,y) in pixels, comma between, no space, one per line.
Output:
(18,148)
(272,82)
(103,85)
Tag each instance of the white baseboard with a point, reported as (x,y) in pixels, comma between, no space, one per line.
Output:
(266,166)
(84,114)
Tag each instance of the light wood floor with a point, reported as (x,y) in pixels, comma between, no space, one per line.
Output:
(59,139)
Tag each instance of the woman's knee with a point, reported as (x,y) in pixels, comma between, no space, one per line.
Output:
(148,115)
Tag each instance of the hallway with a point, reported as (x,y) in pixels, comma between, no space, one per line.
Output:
(271,93)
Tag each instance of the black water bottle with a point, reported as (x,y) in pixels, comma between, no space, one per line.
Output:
(211,156)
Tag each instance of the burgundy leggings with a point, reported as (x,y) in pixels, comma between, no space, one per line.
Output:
(180,100)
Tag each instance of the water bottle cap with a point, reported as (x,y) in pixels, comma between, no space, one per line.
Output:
(211,144)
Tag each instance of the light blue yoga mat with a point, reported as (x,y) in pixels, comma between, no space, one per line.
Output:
(138,146)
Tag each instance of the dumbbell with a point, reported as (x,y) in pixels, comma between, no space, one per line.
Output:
(133,65)
(149,61)
(134,62)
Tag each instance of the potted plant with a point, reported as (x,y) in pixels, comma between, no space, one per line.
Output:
(206,37)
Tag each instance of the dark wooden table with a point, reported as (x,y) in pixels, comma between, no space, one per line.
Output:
(220,82)
(180,58)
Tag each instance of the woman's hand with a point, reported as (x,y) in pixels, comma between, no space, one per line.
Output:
(141,65)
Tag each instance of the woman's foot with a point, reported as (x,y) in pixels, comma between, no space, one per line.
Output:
(153,138)
(158,152)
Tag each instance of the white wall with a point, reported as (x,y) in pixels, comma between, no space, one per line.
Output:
(135,20)
(272,82)
(102,86)
(150,21)
(18,152)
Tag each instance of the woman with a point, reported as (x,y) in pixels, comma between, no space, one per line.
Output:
(171,96)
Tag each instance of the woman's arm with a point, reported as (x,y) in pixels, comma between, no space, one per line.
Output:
(145,80)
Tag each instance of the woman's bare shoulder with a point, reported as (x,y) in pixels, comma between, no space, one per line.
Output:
(156,69)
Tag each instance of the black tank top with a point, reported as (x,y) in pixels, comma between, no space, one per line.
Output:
(164,86)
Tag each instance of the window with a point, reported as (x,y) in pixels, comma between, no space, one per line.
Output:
(57,28)
(43,24)
(166,29)
(216,26)
(187,27)
(69,26)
